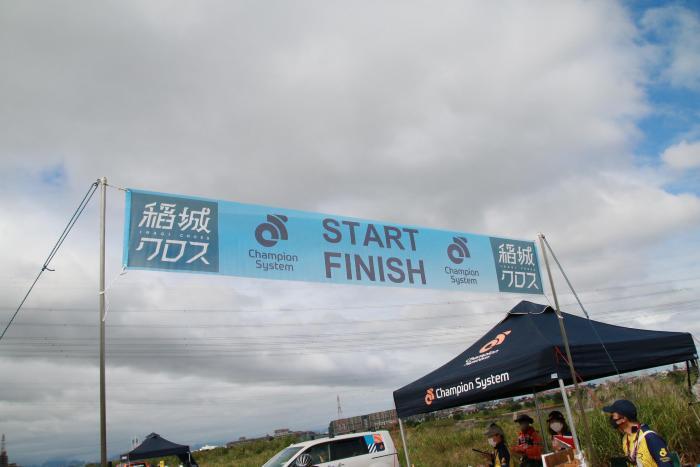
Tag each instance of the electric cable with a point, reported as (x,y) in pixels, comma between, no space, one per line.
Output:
(585,312)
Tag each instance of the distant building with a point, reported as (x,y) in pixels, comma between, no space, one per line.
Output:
(243,440)
(282,432)
(369,422)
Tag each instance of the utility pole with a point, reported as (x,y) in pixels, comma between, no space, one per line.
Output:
(103,408)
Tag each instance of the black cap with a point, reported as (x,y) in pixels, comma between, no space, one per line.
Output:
(493,430)
(556,415)
(624,408)
(523,417)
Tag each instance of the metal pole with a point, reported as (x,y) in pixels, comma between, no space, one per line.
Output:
(403,441)
(585,312)
(567,407)
(565,338)
(103,409)
(539,417)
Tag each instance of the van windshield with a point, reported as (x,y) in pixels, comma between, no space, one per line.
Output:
(282,457)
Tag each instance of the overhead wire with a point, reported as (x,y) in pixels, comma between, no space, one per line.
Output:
(275,347)
(689,302)
(45,267)
(585,312)
(348,307)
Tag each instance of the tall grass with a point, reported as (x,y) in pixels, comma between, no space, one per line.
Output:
(662,402)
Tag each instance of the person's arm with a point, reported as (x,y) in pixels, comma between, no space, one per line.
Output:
(503,455)
(534,451)
(658,449)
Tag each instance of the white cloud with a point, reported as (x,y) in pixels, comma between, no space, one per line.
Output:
(504,119)
(678,30)
(683,155)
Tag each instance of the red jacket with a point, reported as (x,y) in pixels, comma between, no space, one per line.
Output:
(529,444)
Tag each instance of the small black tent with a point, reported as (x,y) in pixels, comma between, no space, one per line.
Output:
(524,353)
(156,446)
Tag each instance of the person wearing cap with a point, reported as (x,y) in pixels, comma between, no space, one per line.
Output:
(642,447)
(558,427)
(529,445)
(496,439)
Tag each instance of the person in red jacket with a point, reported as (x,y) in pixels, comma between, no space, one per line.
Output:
(529,445)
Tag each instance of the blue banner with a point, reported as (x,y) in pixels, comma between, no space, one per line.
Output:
(185,234)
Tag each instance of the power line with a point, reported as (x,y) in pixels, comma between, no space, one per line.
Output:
(45,267)
(372,306)
(327,322)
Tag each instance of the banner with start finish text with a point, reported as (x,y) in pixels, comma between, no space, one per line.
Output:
(187,234)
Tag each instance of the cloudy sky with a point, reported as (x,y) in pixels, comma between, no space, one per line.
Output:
(578,119)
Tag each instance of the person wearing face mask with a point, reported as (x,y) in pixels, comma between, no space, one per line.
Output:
(529,442)
(642,447)
(496,439)
(558,427)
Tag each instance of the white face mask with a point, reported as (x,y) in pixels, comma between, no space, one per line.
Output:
(492,442)
(556,426)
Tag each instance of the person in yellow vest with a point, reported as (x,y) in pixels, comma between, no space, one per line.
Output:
(642,447)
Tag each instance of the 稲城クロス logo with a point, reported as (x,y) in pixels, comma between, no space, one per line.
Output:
(429,396)
(458,250)
(270,232)
(498,340)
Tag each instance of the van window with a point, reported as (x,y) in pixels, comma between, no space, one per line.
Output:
(350,447)
(282,457)
(319,453)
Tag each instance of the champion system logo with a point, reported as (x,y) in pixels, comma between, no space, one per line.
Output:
(270,232)
(429,396)
(495,342)
(458,250)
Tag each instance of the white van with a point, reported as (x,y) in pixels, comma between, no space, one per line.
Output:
(368,449)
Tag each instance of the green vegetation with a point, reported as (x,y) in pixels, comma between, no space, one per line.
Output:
(662,402)
(250,454)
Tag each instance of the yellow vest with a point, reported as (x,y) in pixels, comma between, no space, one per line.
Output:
(645,442)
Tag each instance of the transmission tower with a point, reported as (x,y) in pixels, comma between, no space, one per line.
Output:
(3,453)
(340,409)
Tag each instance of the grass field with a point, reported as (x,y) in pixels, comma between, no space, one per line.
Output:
(662,402)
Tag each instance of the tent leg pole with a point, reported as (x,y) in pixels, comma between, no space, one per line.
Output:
(539,417)
(694,411)
(405,445)
(565,339)
(567,407)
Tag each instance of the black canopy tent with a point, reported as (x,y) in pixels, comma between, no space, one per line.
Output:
(156,446)
(524,354)
(521,353)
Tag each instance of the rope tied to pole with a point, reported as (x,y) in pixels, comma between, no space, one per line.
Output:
(52,254)
(585,312)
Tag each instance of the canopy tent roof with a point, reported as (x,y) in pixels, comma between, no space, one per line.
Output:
(156,446)
(524,353)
